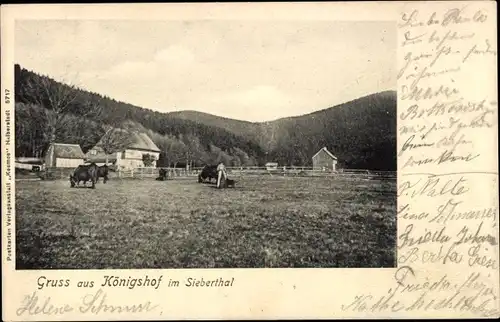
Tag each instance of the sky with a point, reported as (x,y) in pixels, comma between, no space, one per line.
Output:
(246,70)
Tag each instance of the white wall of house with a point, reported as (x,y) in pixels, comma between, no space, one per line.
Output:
(68,163)
(129,163)
(133,158)
(132,154)
(25,166)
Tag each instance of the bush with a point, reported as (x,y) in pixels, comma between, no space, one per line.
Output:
(148,159)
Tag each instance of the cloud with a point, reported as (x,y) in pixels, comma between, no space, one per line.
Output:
(254,103)
(245,69)
(130,68)
(174,55)
(262,95)
(168,60)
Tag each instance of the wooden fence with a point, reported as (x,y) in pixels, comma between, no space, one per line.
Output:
(238,172)
(180,173)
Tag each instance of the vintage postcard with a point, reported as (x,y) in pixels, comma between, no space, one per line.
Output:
(249,161)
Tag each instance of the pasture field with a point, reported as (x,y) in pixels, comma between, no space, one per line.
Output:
(263,222)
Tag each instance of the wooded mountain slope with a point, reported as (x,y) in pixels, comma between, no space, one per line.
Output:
(361,133)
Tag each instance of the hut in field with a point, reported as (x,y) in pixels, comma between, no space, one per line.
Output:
(61,155)
(324,160)
(272,166)
(141,147)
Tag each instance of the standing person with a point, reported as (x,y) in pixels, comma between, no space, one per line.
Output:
(221,172)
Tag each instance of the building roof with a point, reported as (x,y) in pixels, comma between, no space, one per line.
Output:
(141,141)
(328,152)
(271,163)
(29,160)
(68,151)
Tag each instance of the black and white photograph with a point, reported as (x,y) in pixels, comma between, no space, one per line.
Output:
(145,144)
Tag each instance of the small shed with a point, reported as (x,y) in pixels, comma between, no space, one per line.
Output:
(28,163)
(61,155)
(324,160)
(272,166)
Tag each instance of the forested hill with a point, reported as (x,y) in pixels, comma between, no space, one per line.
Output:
(181,140)
(238,127)
(361,133)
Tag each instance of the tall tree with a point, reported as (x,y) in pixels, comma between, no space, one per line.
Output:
(176,152)
(31,139)
(60,100)
(194,149)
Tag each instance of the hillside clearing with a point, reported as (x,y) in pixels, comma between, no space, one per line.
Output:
(263,222)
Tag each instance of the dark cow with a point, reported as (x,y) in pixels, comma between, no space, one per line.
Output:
(230,183)
(163,175)
(208,172)
(85,173)
(79,174)
(103,172)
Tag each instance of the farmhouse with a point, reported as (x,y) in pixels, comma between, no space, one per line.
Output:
(61,155)
(132,157)
(324,160)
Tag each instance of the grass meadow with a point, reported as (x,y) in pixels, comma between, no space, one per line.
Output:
(264,222)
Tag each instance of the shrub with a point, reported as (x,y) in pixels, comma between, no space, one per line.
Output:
(148,159)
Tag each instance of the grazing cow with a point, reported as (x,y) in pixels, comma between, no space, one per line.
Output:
(85,173)
(79,174)
(163,175)
(230,183)
(102,171)
(208,172)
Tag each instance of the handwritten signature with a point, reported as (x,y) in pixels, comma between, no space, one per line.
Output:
(473,295)
(35,304)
